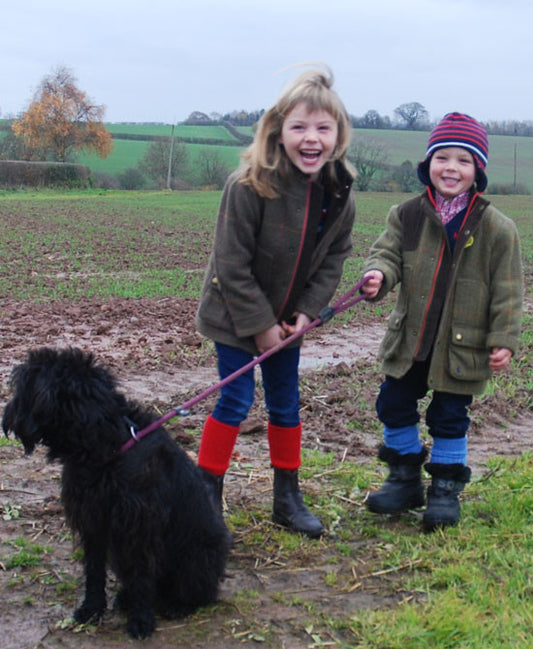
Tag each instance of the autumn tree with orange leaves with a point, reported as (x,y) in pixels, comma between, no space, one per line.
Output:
(62,119)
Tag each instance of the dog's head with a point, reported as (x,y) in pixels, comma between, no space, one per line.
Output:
(59,397)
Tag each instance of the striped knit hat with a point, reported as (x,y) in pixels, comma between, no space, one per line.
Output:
(458,129)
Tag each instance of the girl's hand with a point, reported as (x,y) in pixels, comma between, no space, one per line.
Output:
(499,358)
(301,321)
(269,338)
(373,286)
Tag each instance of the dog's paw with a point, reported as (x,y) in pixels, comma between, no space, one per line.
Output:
(141,627)
(87,613)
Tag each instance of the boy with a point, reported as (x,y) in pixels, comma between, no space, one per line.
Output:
(456,320)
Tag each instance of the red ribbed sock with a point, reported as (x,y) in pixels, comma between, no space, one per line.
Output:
(285,446)
(216,446)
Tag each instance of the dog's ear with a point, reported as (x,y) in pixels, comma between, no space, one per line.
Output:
(8,418)
(25,428)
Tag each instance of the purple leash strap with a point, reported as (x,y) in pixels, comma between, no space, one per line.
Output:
(344,302)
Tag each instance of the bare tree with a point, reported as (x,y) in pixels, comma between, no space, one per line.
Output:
(368,157)
(155,162)
(212,170)
(413,114)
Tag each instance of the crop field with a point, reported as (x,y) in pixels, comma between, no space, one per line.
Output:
(119,274)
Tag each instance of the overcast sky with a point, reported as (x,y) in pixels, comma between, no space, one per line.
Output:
(158,60)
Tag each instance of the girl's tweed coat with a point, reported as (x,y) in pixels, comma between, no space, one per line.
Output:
(272,257)
(455,307)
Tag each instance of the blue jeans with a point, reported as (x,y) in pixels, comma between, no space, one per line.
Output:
(280,383)
(397,405)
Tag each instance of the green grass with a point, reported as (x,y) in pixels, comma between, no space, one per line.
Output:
(468,587)
(211,132)
(128,153)
(411,145)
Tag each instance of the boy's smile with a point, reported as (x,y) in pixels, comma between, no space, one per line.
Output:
(452,171)
(309,138)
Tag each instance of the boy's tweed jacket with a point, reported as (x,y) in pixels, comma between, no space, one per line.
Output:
(457,307)
(269,261)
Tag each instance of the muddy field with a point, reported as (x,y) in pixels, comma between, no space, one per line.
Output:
(160,360)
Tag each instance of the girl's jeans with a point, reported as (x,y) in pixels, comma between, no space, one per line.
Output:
(280,383)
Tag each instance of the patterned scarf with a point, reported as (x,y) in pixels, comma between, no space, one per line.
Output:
(450,207)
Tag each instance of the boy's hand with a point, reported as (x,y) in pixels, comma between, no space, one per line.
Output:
(372,287)
(499,358)
(269,338)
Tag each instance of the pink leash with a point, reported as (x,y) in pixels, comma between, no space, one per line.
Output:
(345,302)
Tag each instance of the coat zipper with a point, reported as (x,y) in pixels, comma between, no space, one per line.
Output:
(300,248)
(437,269)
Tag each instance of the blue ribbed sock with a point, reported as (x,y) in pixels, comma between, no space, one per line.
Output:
(449,450)
(404,440)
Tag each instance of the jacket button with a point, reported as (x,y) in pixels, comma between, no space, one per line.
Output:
(458,336)
(214,281)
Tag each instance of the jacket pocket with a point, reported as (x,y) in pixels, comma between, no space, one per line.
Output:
(394,335)
(468,354)
(213,309)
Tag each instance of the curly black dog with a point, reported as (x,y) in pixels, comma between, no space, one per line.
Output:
(146,511)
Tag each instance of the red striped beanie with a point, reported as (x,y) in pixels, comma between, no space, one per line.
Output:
(458,129)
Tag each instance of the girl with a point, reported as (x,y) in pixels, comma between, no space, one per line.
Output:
(283,233)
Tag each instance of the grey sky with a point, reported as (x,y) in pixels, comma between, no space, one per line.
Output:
(158,61)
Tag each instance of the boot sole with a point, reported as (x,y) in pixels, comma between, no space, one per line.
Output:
(313,534)
(377,509)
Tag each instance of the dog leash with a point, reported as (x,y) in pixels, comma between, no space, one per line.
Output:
(349,299)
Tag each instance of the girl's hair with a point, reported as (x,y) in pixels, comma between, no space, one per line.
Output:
(265,164)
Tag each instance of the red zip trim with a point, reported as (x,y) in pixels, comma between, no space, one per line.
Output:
(431,294)
(300,249)
(439,263)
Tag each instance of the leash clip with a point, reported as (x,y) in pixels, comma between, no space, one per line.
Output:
(131,427)
(326,314)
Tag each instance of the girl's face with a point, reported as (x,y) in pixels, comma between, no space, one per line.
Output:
(309,138)
(452,171)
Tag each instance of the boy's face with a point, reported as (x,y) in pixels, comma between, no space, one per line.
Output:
(309,139)
(452,171)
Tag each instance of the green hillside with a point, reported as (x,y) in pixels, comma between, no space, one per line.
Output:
(509,155)
(411,145)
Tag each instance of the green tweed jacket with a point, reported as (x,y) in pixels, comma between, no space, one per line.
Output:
(452,308)
(274,257)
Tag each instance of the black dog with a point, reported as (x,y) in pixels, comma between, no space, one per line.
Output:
(145,510)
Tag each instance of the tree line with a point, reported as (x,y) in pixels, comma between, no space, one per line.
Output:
(62,120)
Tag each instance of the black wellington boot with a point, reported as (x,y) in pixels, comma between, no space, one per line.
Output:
(443,506)
(403,488)
(289,509)
(214,486)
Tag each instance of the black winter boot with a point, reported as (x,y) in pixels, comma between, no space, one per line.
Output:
(214,485)
(443,508)
(403,487)
(289,509)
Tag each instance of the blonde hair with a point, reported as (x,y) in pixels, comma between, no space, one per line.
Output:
(265,164)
